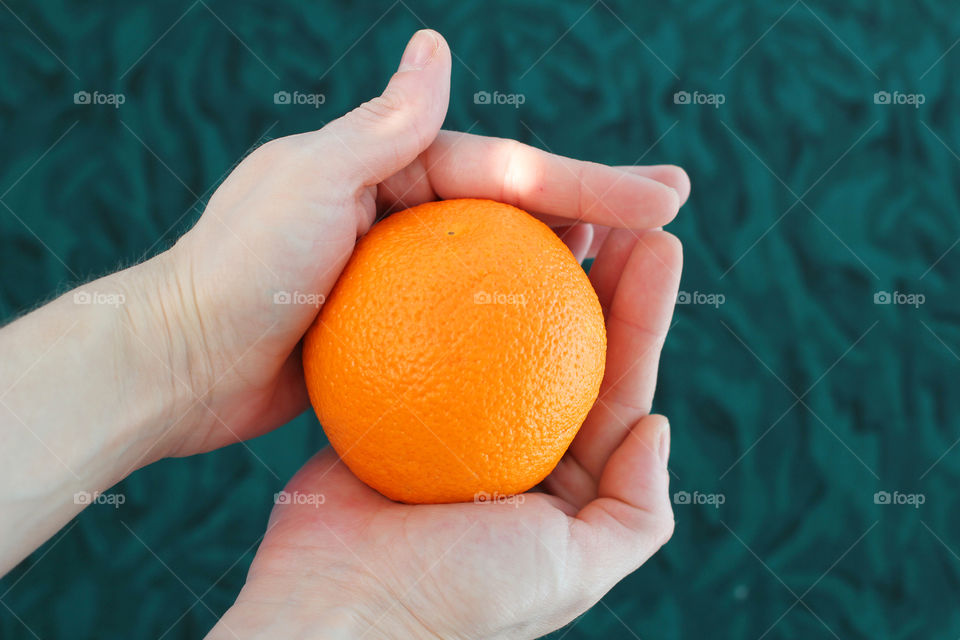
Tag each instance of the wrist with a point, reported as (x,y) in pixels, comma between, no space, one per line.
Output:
(267,620)
(315,601)
(163,374)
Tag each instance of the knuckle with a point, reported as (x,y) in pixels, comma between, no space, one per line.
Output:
(272,147)
(380,108)
(665,528)
(271,153)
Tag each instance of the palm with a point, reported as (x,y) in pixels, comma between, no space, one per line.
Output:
(417,556)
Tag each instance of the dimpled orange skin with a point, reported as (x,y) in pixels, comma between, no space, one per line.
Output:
(458,353)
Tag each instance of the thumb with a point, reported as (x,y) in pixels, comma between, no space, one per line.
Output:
(382,136)
(632,516)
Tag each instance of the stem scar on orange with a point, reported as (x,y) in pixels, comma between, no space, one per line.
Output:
(458,353)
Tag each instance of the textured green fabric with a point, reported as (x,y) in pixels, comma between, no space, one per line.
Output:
(796,399)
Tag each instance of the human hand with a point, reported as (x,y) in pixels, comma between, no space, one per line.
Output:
(340,560)
(285,222)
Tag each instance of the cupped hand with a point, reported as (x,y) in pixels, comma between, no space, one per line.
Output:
(340,560)
(246,282)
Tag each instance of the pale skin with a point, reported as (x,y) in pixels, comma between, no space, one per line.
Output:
(196,356)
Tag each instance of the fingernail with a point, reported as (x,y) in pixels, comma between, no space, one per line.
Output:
(419,51)
(665,444)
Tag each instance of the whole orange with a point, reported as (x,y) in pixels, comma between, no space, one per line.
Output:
(458,353)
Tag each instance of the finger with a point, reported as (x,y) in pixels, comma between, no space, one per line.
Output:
(578,239)
(667,174)
(610,262)
(638,318)
(632,517)
(412,187)
(599,236)
(461,165)
(670,175)
(571,483)
(384,135)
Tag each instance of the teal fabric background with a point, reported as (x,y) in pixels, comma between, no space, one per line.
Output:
(793,402)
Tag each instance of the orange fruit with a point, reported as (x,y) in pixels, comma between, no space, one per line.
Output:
(458,353)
